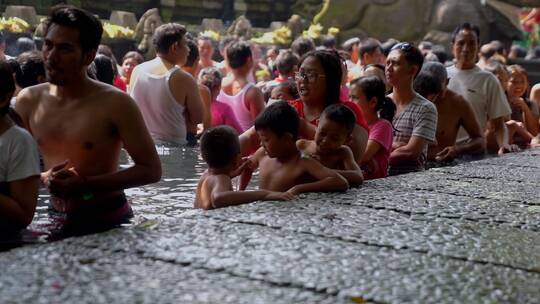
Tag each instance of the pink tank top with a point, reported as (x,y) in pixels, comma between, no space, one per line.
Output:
(238,105)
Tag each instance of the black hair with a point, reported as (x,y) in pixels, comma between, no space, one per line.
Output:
(426,45)
(388,45)
(373,86)
(302,46)
(193,53)
(7,86)
(440,52)
(135,55)
(90,28)
(520,52)
(219,146)
(331,64)
(368,46)
(286,61)
(290,86)
(104,69)
(25,44)
(499,47)
(340,114)
(238,54)
(280,118)
(167,35)
(436,69)
(412,54)
(32,66)
(210,77)
(427,84)
(329,42)
(466,27)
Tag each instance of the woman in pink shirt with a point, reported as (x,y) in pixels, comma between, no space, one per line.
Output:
(379,110)
(222,113)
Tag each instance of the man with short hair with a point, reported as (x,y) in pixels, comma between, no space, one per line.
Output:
(165,93)
(415,121)
(370,52)
(286,63)
(453,112)
(480,89)
(81,125)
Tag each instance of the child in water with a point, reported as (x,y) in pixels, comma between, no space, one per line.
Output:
(220,149)
(281,165)
(329,147)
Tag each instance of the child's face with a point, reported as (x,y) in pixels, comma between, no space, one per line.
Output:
(357,96)
(517,85)
(330,136)
(281,93)
(272,143)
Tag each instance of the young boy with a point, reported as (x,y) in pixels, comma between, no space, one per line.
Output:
(220,149)
(329,147)
(19,164)
(281,165)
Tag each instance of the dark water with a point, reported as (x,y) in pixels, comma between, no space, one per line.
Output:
(171,196)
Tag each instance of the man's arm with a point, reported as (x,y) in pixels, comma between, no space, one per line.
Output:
(24,107)
(469,122)
(185,88)
(19,207)
(497,128)
(206,97)
(351,172)
(372,148)
(254,101)
(409,152)
(327,179)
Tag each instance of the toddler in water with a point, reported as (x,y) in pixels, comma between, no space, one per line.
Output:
(329,147)
(281,165)
(220,149)
(221,113)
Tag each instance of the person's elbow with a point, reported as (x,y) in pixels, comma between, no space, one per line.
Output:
(153,173)
(340,183)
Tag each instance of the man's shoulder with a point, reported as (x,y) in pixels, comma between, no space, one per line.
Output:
(422,102)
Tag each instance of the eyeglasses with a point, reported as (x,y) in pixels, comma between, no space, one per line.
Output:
(311,77)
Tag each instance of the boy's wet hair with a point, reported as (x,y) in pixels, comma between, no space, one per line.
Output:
(342,115)
(280,118)
(166,35)
(427,84)
(220,146)
(7,85)
(302,46)
(290,86)
(90,28)
(210,77)
(436,69)
(238,54)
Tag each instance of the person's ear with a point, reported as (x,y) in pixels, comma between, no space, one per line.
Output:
(373,102)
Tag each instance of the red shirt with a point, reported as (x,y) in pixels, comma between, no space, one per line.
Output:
(360,120)
(120,84)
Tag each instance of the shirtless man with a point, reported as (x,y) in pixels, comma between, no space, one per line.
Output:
(167,96)
(81,125)
(453,112)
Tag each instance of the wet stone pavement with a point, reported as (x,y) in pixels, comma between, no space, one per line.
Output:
(463,234)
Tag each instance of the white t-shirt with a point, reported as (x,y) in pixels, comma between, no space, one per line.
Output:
(483,92)
(19,156)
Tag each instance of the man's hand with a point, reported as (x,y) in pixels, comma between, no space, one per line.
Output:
(247,164)
(279,196)
(446,154)
(65,183)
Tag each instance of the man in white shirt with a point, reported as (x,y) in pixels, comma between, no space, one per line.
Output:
(480,88)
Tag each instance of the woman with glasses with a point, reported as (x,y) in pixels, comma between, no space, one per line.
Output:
(319,83)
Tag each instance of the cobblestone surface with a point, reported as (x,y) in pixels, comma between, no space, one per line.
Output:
(463,234)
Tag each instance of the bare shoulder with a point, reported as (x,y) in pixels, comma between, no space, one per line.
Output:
(182,78)
(32,95)
(254,92)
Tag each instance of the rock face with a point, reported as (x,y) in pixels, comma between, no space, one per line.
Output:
(26,13)
(411,20)
(125,19)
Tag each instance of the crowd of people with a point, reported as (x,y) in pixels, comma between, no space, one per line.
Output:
(309,118)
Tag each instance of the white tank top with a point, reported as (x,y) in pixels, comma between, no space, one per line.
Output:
(163,116)
(238,105)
